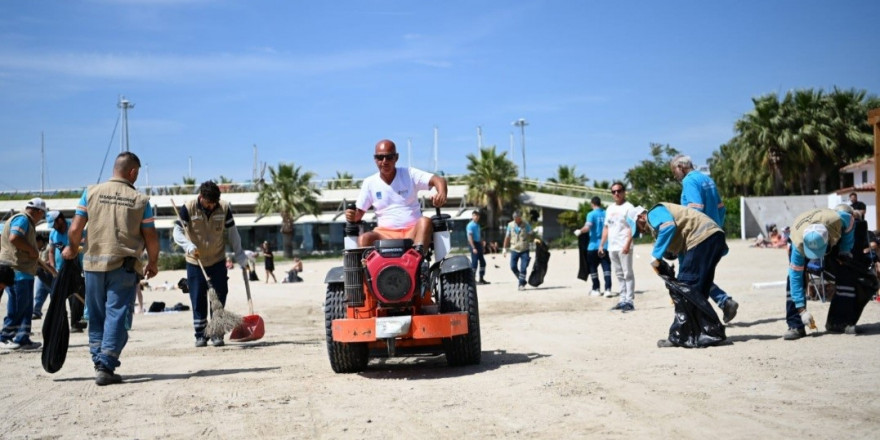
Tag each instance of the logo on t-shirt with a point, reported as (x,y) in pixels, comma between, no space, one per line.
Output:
(379,195)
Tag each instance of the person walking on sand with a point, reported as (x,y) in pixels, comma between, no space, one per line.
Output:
(617,234)
(200,232)
(476,246)
(698,191)
(594,225)
(518,237)
(268,261)
(18,249)
(121,225)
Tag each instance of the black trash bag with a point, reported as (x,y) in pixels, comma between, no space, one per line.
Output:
(539,269)
(696,324)
(156,307)
(583,265)
(183,285)
(56,331)
(252,276)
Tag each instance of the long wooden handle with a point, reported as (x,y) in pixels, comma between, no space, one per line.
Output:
(247,289)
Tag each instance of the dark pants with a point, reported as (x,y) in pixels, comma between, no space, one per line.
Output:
(846,305)
(593,263)
(477,258)
(198,292)
(698,265)
(19,312)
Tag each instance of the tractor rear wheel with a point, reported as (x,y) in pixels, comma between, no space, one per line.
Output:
(344,357)
(458,293)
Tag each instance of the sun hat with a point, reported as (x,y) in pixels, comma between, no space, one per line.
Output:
(815,241)
(634,213)
(36,203)
(51,216)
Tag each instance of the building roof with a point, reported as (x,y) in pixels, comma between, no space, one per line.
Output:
(858,165)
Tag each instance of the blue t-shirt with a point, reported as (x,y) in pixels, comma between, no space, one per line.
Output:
(20,226)
(473,229)
(58,240)
(698,191)
(596,221)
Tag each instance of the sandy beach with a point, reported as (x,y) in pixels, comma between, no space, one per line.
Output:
(556,364)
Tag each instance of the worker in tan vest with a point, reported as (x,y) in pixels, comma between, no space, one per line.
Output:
(200,232)
(699,243)
(121,226)
(18,249)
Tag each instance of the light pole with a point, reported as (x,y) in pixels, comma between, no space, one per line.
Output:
(521,123)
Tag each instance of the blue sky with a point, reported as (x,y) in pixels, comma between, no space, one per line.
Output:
(318,83)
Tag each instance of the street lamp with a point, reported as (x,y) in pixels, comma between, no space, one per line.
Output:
(521,123)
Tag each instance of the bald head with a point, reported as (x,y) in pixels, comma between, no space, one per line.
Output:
(386,146)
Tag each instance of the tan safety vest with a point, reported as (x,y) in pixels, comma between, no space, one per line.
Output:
(115,210)
(824,216)
(207,232)
(11,255)
(692,227)
(519,241)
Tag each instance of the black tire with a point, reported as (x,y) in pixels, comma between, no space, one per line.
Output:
(459,294)
(344,357)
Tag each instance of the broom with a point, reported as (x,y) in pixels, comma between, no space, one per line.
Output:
(222,320)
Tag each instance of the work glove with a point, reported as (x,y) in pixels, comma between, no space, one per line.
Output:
(576,232)
(807,319)
(191,250)
(504,252)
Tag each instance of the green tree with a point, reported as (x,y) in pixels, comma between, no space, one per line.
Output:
(492,183)
(343,180)
(289,194)
(566,175)
(652,181)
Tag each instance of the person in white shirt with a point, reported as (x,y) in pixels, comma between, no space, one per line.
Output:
(618,233)
(393,194)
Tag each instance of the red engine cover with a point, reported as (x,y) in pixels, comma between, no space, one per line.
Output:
(393,279)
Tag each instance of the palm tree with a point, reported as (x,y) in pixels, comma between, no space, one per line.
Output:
(492,183)
(566,175)
(290,194)
(761,133)
(342,180)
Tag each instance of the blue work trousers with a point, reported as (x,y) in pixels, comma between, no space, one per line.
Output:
(198,291)
(519,264)
(41,293)
(109,297)
(19,312)
(593,263)
(477,258)
(698,265)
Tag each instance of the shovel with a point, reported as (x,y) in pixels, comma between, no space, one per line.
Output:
(252,327)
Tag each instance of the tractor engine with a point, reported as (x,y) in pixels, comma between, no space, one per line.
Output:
(392,271)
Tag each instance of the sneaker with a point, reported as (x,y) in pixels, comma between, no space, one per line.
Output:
(217,342)
(794,333)
(36,317)
(665,343)
(595,292)
(618,306)
(28,346)
(201,341)
(610,294)
(482,281)
(9,345)
(75,329)
(521,287)
(729,309)
(104,377)
(851,330)
(627,307)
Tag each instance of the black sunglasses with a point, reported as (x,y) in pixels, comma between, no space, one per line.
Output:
(617,191)
(381,157)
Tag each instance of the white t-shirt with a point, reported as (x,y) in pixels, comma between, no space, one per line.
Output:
(397,205)
(619,229)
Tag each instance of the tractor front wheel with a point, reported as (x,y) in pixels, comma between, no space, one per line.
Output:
(344,357)
(458,293)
